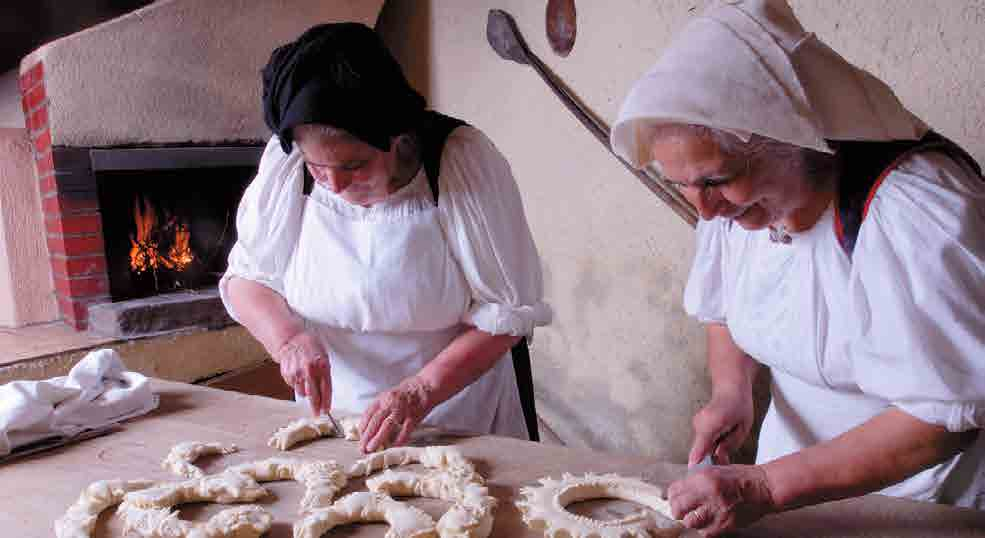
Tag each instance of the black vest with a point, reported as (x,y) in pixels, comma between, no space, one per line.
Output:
(866,165)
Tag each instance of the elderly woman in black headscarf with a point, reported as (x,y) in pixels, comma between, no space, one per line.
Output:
(383,256)
(841,246)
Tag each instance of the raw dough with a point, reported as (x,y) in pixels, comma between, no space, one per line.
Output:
(447,458)
(471,514)
(180,459)
(543,507)
(80,518)
(149,512)
(405,521)
(323,479)
(302,429)
(350,427)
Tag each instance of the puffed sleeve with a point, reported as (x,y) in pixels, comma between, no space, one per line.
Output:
(483,220)
(704,294)
(918,288)
(268,222)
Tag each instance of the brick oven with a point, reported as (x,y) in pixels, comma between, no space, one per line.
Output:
(145,131)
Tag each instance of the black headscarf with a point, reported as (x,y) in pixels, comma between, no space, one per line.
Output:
(340,75)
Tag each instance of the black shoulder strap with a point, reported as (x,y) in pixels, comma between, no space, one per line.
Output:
(434,132)
(866,165)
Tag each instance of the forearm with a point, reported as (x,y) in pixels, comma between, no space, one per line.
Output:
(264,313)
(463,361)
(886,449)
(730,368)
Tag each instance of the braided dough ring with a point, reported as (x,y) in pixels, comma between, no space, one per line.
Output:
(180,459)
(80,518)
(543,507)
(447,458)
(470,515)
(148,512)
(322,479)
(405,521)
(302,429)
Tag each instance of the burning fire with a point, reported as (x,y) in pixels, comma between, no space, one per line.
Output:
(145,248)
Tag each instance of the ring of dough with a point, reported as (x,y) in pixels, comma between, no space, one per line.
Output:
(543,507)
(405,521)
(80,518)
(148,512)
(323,480)
(471,513)
(182,457)
(447,458)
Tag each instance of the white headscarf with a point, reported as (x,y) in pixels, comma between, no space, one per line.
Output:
(748,66)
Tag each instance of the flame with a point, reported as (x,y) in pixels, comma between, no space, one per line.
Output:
(145,248)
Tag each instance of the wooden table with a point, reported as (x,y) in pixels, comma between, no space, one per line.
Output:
(35,491)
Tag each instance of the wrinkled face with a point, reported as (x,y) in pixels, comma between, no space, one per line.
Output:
(356,171)
(718,186)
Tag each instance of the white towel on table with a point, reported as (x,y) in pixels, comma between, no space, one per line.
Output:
(98,391)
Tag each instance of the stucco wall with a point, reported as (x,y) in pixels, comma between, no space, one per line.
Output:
(175,71)
(26,290)
(622,368)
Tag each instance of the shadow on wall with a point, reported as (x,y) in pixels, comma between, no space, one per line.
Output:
(404,26)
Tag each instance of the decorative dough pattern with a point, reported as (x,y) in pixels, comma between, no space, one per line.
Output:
(300,430)
(405,521)
(323,479)
(180,459)
(80,518)
(436,457)
(148,511)
(350,427)
(543,508)
(471,514)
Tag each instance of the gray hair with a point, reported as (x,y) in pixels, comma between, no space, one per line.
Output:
(764,154)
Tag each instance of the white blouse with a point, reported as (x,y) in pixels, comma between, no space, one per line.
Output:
(387,287)
(900,324)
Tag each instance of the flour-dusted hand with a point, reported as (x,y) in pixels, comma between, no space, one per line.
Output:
(390,420)
(722,425)
(717,499)
(304,365)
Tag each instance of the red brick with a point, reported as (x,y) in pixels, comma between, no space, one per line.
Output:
(75,313)
(47,184)
(33,98)
(61,205)
(73,224)
(42,142)
(82,266)
(38,119)
(82,286)
(31,77)
(79,245)
(45,163)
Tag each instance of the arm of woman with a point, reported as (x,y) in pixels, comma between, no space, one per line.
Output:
(886,449)
(726,419)
(470,354)
(481,214)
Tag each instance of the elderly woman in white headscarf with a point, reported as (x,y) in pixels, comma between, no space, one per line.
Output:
(841,246)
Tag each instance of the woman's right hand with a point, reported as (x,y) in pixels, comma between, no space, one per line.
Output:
(726,421)
(304,365)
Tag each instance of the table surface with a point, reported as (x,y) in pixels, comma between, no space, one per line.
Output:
(35,491)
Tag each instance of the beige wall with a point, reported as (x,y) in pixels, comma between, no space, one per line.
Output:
(622,367)
(175,71)
(26,290)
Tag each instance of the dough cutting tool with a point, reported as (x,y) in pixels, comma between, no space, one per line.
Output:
(50,443)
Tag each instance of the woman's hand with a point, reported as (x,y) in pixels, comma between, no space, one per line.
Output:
(304,366)
(722,425)
(718,499)
(395,413)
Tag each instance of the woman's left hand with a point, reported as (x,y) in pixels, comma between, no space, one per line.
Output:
(390,420)
(717,499)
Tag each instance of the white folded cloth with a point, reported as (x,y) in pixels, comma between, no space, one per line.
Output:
(98,391)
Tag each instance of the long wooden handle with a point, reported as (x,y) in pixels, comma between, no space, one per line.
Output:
(657,186)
